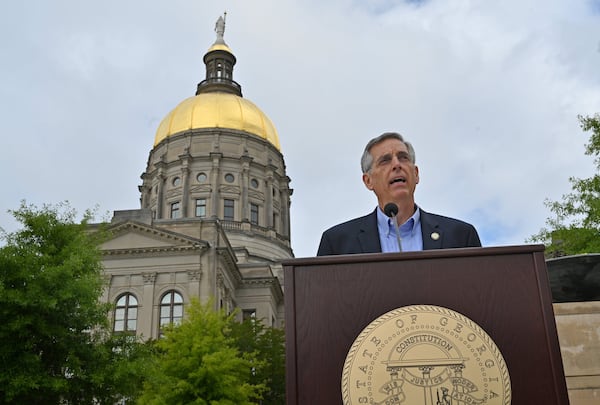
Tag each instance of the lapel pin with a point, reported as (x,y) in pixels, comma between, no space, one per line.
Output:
(435,236)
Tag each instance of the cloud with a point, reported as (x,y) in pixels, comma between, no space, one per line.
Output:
(488,92)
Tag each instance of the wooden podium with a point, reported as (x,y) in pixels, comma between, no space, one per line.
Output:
(329,300)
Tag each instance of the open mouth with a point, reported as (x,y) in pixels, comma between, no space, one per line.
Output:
(398,180)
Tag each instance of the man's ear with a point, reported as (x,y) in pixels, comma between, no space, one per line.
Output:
(417,174)
(367,180)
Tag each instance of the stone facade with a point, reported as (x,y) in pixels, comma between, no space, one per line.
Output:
(575,285)
(151,260)
(578,325)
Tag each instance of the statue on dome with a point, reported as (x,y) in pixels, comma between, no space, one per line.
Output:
(220,27)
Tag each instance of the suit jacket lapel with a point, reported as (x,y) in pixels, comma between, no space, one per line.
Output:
(432,234)
(368,234)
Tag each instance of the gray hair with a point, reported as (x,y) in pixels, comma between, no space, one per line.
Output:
(366,161)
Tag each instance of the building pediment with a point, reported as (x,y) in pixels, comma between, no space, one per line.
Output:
(201,189)
(173,193)
(135,237)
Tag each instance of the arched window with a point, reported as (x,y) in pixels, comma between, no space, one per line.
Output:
(171,309)
(126,313)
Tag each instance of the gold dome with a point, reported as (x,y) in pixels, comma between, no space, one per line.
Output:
(217,110)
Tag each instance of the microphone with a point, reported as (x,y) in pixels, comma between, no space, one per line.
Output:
(391,210)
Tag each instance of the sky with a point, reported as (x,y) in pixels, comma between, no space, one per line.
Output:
(488,92)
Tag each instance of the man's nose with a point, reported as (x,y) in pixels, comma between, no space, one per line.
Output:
(396,161)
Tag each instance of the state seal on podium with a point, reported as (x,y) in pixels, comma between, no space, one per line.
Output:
(424,355)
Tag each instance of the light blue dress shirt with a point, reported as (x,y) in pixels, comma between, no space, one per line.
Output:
(411,237)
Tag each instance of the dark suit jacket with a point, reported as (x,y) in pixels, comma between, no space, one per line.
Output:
(360,235)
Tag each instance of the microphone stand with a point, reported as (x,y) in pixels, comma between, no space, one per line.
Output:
(397,230)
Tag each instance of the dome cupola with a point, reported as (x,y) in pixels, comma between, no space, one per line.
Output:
(219,61)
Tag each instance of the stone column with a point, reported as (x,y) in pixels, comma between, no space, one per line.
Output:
(215,183)
(185,183)
(145,192)
(148,315)
(269,198)
(194,277)
(161,168)
(245,201)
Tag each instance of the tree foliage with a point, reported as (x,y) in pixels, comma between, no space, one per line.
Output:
(575,226)
(268,345)
(54,342)
(199,363)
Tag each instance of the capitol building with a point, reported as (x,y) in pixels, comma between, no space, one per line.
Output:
(214,221)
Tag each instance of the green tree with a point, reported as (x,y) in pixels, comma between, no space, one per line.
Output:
(54,342)
(268,345)
(121,369)
(198,363)
(575,226)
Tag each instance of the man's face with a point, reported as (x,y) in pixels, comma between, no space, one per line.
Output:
(393,177)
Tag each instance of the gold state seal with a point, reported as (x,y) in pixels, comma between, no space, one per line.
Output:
(424,354)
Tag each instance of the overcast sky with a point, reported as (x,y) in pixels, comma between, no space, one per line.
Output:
(488,92)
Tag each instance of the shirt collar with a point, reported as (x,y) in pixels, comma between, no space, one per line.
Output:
(385,225)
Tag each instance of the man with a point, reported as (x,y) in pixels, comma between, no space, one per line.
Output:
(389,170)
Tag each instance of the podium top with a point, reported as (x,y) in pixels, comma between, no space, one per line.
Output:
(424,254)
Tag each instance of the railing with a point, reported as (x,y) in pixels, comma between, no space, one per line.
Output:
(220,80)
(245,226)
